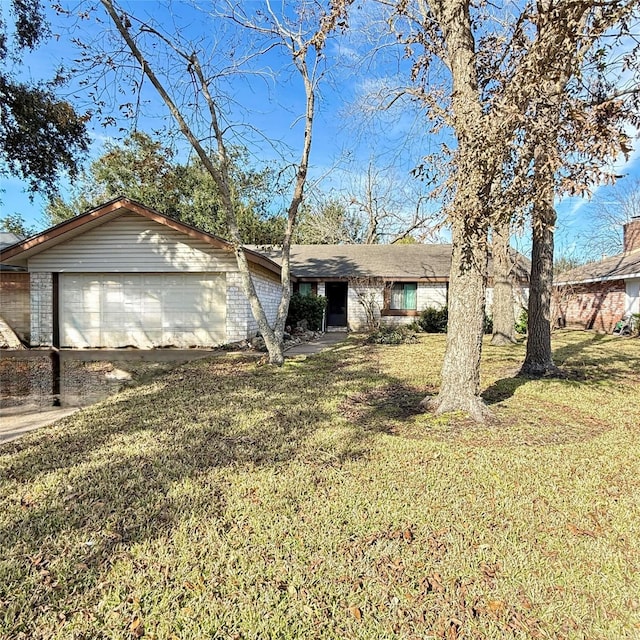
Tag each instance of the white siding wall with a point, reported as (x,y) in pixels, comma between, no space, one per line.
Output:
(632,302)
(130,244)
(431,295)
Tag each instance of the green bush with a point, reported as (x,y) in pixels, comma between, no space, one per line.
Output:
(392,335)
(433,320)
(309,308)
(522,322)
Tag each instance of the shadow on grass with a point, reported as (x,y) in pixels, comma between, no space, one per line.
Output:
(117,474)
(503,389)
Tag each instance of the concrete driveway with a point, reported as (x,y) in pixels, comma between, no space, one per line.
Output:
(16,421)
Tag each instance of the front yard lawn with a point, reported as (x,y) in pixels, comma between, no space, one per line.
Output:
(230,500)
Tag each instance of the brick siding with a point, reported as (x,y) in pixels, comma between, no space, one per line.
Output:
(240,322)
(632,235)
(14,302)
(597,305)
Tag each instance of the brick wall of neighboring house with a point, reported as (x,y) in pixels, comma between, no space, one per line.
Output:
(14,302)
(632,234)
(597,305)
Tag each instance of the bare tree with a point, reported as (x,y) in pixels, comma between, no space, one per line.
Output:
(491,65)
(610,209)
(389,207)
(203,120)
(369,293)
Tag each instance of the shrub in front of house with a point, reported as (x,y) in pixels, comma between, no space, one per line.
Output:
(392,335)
(434,320)
(309,308)
(522,322)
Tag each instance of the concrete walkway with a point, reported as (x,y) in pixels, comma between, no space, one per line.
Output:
(325,341)
(16,421)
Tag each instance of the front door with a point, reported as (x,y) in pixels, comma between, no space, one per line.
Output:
(336,293)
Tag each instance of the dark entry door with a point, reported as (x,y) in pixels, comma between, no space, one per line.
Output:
(336,293)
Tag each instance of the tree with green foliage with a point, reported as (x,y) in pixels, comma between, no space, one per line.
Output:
(15,223)
(146,170)
(41,135)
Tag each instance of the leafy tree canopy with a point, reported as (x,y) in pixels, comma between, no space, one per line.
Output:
(15,223)
(145,170)
(40,135)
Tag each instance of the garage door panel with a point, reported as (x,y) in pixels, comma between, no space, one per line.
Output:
(112,310)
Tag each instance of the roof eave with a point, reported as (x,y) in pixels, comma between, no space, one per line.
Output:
(623,276)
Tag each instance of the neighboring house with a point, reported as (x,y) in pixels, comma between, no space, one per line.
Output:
(394,282)
(124,275)
(597,295)
(14,292)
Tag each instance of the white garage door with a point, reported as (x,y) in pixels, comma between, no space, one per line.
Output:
(142,310)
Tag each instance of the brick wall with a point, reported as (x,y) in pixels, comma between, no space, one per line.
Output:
(240,321)
(632,235)
(14,302)
(597,305)
(41,309)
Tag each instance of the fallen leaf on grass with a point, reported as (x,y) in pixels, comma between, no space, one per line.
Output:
(497,606)
(136,628)
(577,531)
(433,583)
(356,612)
(27,501)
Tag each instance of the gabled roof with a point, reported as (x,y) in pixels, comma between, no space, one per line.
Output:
(21,251)
(620,267)
(398,262)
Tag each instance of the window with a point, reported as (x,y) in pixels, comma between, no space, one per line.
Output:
(305,289)
(403,296)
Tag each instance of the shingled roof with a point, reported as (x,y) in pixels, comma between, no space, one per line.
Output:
(398,262)
(341,261)
(625,265)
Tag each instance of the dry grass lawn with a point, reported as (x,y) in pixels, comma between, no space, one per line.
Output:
(229,500)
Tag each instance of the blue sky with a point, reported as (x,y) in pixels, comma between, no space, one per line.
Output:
(343,145)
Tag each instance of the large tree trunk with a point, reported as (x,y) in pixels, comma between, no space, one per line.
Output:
(460,387)
(503,315)
(539,360)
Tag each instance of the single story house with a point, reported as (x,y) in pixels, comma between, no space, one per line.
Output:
(391,284)
(125,275)
(599,294)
